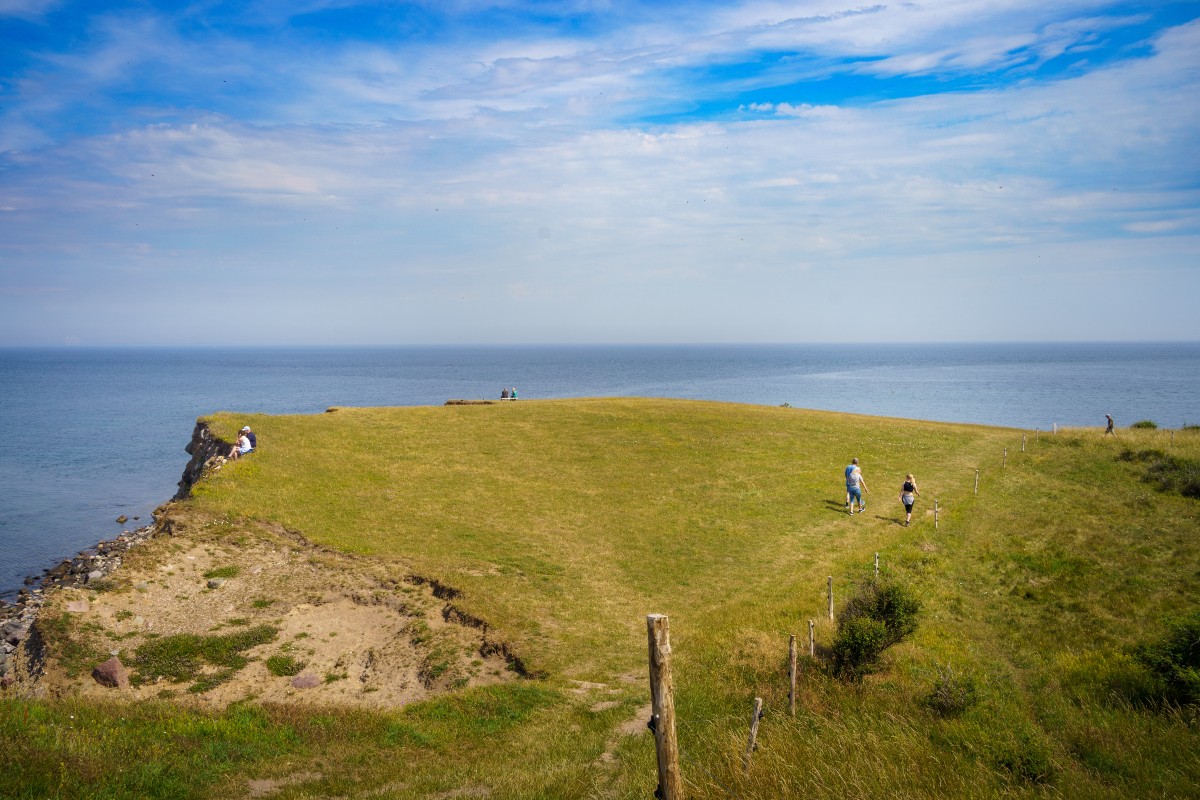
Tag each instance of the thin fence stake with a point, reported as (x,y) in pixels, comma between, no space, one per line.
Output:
(662,720)
(877,566)
(792,675)
(1056,429)
(1004,462)
(755,718)
(976,481)
(812,639)
(1037,435)
(831,597)
(935,514)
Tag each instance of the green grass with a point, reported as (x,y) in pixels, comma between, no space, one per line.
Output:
(283,665)
(184,657)
(563,524)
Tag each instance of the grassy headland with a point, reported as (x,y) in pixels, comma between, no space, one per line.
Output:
(562,524)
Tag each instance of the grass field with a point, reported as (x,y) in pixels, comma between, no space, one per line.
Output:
(564,523)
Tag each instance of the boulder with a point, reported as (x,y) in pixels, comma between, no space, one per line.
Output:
(306,681)
(111,673)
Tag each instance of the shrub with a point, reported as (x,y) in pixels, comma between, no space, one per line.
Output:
(284,666)
(878,615)
(1167,473)
(1144,423)
(953,692)
(1027,757)
(1175,659)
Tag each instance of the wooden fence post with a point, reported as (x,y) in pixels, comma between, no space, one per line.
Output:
(1004,462)
(792,675)
(1037,435)
(755,717)
(831,597)
(1022,443)
(935,514)
(662,720)
(812,639)
(877,566)
(977,482)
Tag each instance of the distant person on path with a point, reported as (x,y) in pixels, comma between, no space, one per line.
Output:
(855,486)
(908,495)
(1109,429)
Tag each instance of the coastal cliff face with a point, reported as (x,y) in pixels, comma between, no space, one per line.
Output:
(207,451)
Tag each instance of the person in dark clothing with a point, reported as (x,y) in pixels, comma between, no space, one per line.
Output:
(249,434)
(908,495)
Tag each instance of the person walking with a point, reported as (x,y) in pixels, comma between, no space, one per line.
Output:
(855,486)
(908,495)
(1109,429)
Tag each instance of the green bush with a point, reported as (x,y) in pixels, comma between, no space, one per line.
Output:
(1175,659)
(878,615)
(1167,473)
(1145,423)
(953,692)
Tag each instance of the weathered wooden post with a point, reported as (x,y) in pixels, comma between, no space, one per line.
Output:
(976,482)
(792,675)
(1056,429)
(1037,435)
(831,597)
(1004,461)
(1022,443)
(877,566)
(755,717)
(662,719)
(812,639)
(935,514)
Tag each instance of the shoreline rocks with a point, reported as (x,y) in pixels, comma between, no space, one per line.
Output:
(91,567)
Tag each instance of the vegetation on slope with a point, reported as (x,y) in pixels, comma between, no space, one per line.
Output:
(564,523)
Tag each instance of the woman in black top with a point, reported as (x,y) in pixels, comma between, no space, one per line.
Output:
(908,495)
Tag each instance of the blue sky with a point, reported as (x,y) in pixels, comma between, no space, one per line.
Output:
(466,171)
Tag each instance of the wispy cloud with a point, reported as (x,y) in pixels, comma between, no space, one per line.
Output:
(640,151)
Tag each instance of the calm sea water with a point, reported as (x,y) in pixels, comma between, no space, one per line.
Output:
(88,435)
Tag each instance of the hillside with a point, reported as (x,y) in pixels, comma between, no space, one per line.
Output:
(515,549)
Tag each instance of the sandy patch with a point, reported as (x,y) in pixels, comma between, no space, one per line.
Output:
(366,633)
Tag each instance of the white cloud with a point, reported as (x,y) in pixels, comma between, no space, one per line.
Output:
(33,10)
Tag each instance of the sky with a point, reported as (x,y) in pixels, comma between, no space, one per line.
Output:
(331,172)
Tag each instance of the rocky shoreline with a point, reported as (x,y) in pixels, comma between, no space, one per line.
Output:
(91,567)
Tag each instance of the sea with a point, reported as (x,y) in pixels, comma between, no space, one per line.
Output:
(88,435)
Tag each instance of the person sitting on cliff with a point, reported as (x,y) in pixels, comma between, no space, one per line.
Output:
(242,447)
(249,434)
